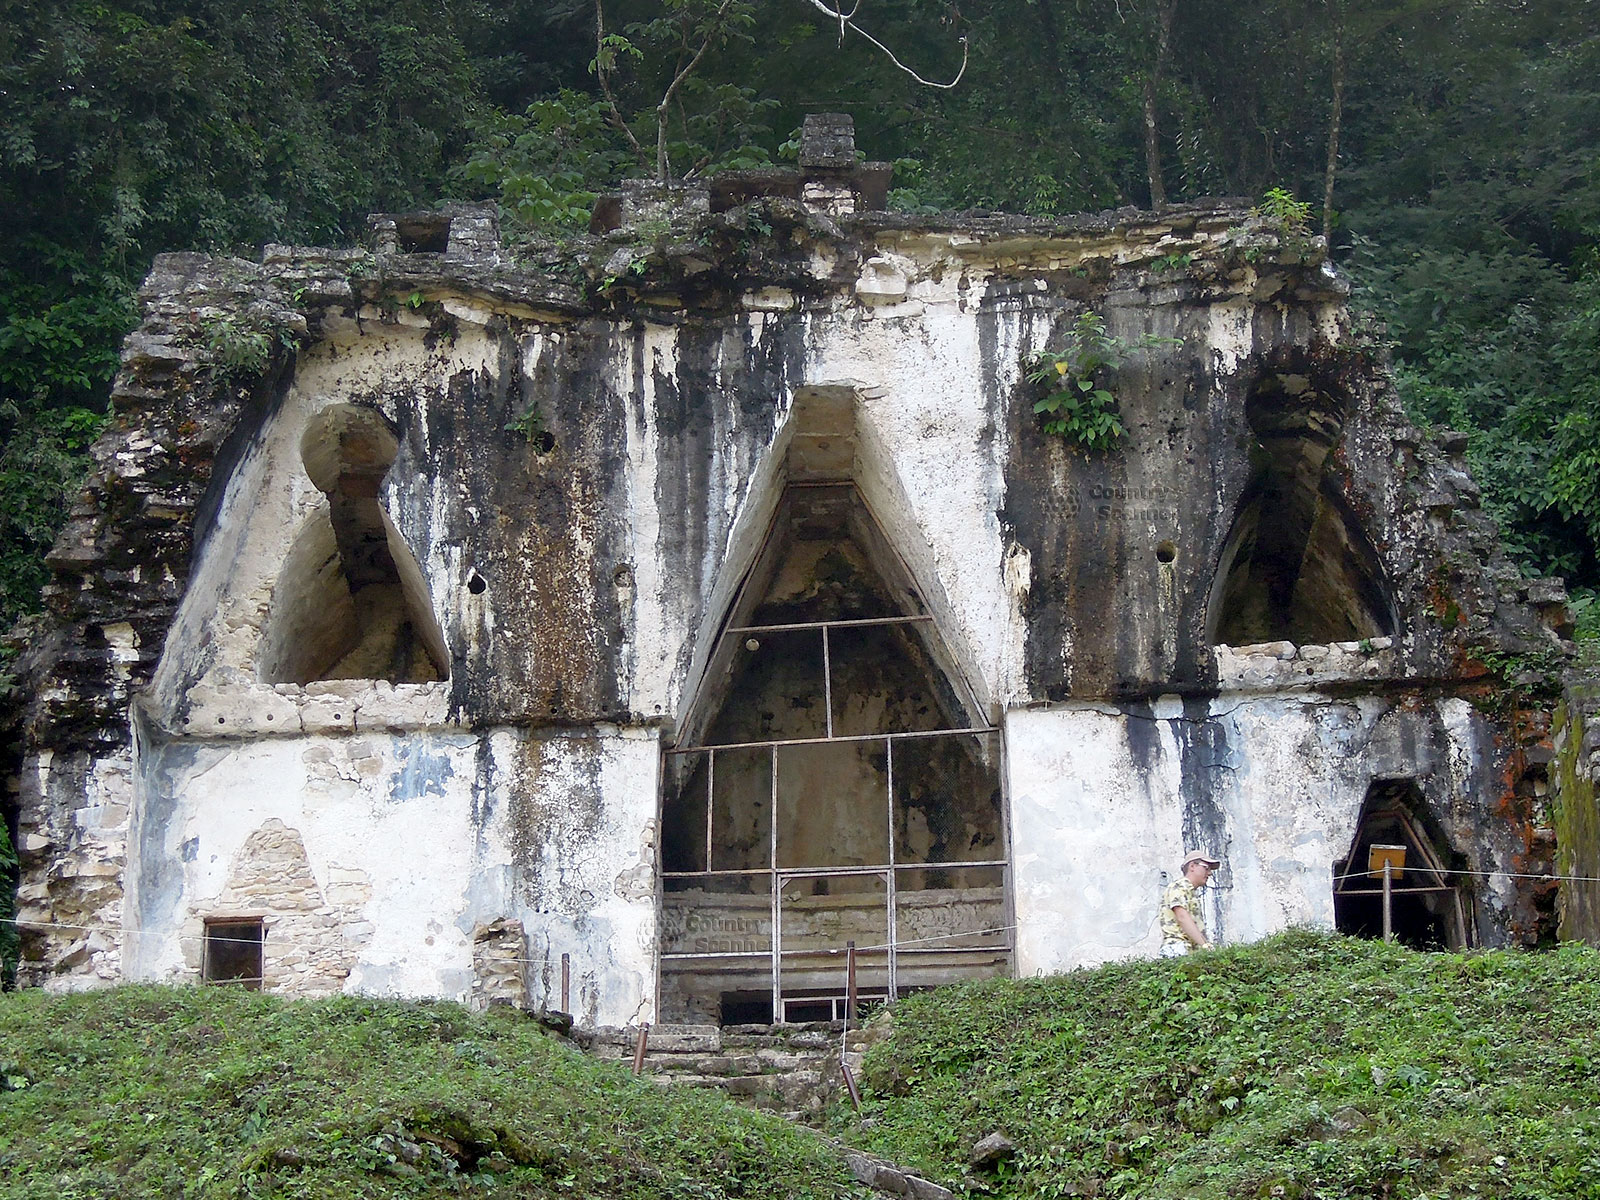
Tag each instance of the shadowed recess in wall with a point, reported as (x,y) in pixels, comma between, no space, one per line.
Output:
(351,602)
(1297,565)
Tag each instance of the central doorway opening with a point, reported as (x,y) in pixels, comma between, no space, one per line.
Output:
(836,787)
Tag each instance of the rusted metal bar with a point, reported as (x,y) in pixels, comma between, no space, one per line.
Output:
(776,899)
(849,982)
(711,783)
(872,869)
(1394,891)
(827,685)
(891,926)
(849,737)
(903,950)
(688,955)
(638,1048)
(1388,893)
(800,626)
(566,983)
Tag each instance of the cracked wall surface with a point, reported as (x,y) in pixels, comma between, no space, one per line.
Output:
(586,444)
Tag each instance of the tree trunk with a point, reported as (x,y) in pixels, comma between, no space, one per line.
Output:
(663,167)
(1333,122)
(1152,147)
(1152,132)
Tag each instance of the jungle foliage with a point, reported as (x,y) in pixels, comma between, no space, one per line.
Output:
(1448,145)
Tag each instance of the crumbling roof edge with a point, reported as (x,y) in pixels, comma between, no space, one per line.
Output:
(1218,212)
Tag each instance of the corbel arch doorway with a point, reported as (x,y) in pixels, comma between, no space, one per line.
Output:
(834,784)
(1429,909)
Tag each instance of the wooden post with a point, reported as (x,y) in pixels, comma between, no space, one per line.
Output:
(566,983)
(1388,884)
(638,1048)
(850,982)
(850,1084)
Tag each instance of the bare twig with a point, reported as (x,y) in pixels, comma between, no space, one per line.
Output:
(847,21)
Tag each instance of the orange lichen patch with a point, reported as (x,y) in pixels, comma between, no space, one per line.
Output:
(1440,600)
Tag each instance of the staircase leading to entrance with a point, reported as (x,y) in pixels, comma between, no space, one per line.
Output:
(788,1069)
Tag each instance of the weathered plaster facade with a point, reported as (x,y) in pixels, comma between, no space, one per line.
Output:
(383,642)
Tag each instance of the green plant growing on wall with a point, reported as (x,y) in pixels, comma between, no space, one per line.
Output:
(1585,609)
(1283,212)
(241,346)
(530,424)
(1078,405)
(9,940)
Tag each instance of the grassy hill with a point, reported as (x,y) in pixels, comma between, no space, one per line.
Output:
(211,1092)
(1304,1066)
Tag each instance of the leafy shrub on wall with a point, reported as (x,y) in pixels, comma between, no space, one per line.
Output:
(1078,404)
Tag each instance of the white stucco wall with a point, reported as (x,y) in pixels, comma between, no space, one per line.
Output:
(414,840)
(416,831)
(1104,800)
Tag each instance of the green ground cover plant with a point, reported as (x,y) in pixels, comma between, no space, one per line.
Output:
(1305,1066)
(213,1092)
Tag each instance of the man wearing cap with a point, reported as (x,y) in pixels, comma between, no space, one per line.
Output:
(1183,927)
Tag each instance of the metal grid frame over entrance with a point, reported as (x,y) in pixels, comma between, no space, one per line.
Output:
(890,871)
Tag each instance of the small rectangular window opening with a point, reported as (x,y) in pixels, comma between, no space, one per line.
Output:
(233,953)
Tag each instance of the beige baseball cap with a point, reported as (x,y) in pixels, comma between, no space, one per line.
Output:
(1190,856)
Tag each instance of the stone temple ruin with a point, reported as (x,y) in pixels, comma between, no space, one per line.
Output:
(693,599)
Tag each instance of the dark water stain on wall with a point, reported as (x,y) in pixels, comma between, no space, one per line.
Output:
(483,785)
(1205,762)
(554,811)
(539,520)
(1144,740)
(716,413)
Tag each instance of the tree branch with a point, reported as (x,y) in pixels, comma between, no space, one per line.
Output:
(663,167)
(1334,118)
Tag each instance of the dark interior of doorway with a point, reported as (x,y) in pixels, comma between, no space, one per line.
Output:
(837,784)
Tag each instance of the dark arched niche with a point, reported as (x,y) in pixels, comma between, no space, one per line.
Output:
(827,560)
(351,602)
(1297,565)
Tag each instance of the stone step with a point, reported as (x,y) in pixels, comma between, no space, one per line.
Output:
(789,1071)
(699,1039)
(730,1064)
(786,1069)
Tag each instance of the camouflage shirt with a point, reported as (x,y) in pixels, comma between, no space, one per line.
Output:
(1180,893)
